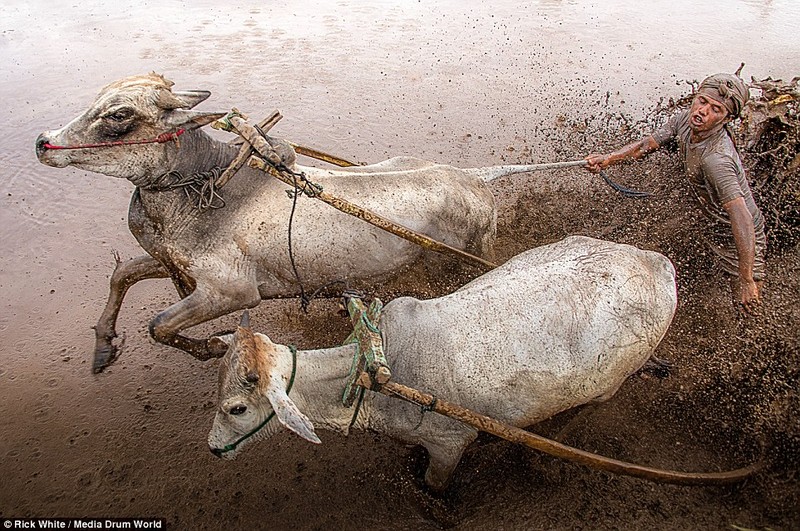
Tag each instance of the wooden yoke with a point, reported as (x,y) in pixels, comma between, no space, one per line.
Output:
(369,356)
(246,150)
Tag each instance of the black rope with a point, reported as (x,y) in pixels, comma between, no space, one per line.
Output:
(358,407)
(308,189)
(424,409)
(629,192)
(201,184)
(304,301)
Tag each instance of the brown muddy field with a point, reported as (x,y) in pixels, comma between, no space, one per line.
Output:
(514,82)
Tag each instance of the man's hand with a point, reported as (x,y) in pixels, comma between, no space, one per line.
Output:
(749,296)
(635,150)
(596,162)
(745,238)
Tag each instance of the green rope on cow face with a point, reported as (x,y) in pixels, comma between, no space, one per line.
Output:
(232,446)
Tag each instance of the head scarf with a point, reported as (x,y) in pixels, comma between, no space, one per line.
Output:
(727,89)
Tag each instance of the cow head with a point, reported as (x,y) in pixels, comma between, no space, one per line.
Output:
(134,108)
(253,380)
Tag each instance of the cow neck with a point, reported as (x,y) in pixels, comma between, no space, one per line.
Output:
(198,155)
(318,388)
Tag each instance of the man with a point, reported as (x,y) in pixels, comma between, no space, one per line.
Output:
(717,178)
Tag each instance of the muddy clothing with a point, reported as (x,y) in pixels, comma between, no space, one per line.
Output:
(716,176)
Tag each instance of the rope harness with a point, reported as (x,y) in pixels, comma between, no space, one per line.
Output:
(160,139)
(201,184)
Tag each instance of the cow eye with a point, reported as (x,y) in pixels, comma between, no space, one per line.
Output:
(118,122)
(120,115)
(238,410)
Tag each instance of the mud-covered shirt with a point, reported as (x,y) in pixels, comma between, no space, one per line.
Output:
(714,170)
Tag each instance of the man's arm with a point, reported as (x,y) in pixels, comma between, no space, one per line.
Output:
(634,150)
(745,237)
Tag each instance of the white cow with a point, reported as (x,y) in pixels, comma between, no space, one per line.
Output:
(554,327)
(222,260)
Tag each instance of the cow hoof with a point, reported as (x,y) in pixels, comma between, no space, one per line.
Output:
(104,355)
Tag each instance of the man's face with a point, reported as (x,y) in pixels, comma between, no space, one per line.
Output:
(706,114)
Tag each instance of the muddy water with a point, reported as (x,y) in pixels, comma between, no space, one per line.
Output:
(461,83)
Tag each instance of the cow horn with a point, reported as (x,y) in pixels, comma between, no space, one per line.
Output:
(191,119)
(245,322)
(191,97)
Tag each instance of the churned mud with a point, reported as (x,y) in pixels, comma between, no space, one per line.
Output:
(520,82)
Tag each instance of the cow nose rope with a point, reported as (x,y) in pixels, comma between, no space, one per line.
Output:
(160,139)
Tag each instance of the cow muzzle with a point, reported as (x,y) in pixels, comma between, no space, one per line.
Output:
(49,156)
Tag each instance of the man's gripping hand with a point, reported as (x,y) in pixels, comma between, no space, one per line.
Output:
(596,162)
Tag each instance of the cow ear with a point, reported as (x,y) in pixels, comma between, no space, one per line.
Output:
(182,118)
(287,412)
(191,97)
(225,338)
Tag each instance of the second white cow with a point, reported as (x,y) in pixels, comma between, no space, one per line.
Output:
(554,327)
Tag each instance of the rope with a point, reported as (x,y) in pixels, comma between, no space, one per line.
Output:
(361,393)
(310,190)
(629,192)
(202,184)
(425,408)
(160,139)
(304,300)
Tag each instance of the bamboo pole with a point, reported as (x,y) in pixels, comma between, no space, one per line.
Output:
(271,160)
(371,217)
(548,446)
(321,155)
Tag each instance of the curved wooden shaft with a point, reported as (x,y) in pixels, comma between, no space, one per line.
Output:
(321,155)
(269,159)
(543,444)
(374,219)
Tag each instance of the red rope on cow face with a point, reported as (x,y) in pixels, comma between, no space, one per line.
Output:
(160,139)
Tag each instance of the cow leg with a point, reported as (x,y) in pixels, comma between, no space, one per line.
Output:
(444,457)
(204,304)
(125,275)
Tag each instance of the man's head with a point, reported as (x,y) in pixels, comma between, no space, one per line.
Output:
(719,99)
